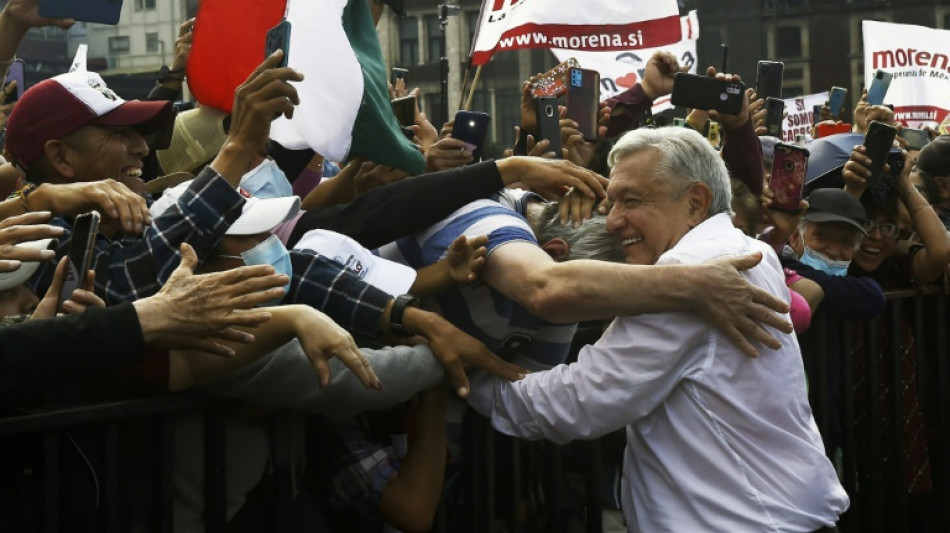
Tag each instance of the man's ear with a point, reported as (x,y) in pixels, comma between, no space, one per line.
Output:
(58,157)
(557,248)
(699,197)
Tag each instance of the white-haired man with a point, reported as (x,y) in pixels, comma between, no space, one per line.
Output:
(716,441)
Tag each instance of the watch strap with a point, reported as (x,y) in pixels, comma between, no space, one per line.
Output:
(397,312)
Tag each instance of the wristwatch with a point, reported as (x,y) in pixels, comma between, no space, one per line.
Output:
(166,73)
(396,314)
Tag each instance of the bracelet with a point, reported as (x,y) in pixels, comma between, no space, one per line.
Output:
(918,208)
(23,194)
(395,314)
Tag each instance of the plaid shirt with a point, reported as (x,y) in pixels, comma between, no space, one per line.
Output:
(130,268)
(357,463)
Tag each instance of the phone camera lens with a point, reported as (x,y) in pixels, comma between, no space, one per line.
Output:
(789,165)
(549,111)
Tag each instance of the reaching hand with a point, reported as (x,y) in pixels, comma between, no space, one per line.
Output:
(23,228)
(79,300)
(447,153)
(729,122)
(552,178)
(323,339)
(575,208)
(658,76)
(738,308)
(529,122)
(466,257)
(194,311)
(183,45)
(113,199)
(26,15)
(371,175)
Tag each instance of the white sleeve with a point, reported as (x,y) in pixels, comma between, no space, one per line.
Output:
(618,380)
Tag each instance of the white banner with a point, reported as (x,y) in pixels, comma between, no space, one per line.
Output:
(591,25)
(919,59)
(801,115)
(621,70)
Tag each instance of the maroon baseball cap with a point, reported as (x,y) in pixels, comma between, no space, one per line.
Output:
(58,106)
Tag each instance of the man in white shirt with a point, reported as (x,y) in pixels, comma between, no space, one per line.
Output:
(716,441)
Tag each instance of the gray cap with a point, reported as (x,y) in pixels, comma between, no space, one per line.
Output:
(835,205)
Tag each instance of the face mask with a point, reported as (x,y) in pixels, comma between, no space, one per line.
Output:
(267,181)
(271,252)
(822,262)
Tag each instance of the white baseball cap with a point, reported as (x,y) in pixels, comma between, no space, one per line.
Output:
(389,276)
(259,215)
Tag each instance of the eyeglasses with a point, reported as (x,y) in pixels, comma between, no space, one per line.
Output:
(887,229)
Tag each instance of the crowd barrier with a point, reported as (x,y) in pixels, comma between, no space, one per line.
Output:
(519,486)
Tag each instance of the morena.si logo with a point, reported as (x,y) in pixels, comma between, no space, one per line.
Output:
(909,57)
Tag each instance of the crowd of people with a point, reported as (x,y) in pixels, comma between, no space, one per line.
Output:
(392,309)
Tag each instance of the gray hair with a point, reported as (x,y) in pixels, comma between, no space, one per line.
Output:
(590,240)
(686,158)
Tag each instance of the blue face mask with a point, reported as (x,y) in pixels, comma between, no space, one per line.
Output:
(267,181)
(822,262)
(271,252)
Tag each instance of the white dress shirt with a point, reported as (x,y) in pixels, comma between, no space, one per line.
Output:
(716,441)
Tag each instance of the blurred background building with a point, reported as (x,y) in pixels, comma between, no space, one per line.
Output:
(819,40)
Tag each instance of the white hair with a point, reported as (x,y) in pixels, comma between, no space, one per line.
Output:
(685,158)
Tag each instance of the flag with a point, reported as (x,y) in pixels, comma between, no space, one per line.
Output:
(344,109)
(621,70)
(592,25)
(919,59)
(79,60)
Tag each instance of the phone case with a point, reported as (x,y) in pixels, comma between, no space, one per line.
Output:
(15,74)
(583,100)
(398,73)
(879,86)
(877,143)
(824,130)
(471,127)
(553,82)
(549,123)
(278,38)
(774,116)
(916,139)
(704,92)
(101,11)
(768,79)
(836,100)
(405,110)
(81,246)
(789,166)
(816,114)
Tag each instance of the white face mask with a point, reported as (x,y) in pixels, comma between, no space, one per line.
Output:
(267,181)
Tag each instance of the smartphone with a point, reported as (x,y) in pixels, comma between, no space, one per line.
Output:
(15,74)
(916,139)
(679,122)
(278,38)
(774,116)
(405,110)
(552,82)
(583,100)
(943,129)
(879,86)
(101,11)
(81,246)
(836,101)
(399,74)
(549,123)
(704,92)
(816,114)
(471,128)
(768,79)
(789,167)
(877,143)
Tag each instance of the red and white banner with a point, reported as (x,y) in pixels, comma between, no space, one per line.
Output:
(621,70)
(919,59)
(592,25)
(801,115)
